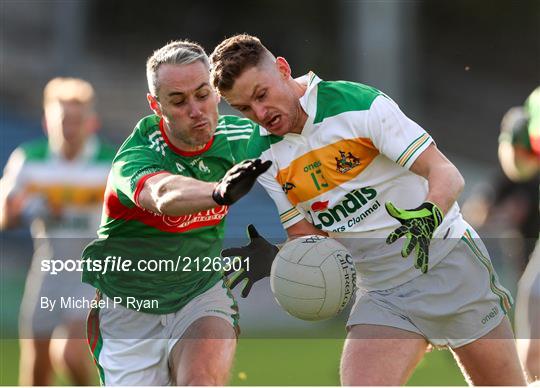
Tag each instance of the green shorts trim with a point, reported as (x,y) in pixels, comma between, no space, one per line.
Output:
(504,298)
(94,339)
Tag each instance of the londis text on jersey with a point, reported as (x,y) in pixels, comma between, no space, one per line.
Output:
(348,208)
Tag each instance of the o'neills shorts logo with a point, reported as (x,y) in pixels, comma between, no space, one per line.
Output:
(196,220)
(349,208)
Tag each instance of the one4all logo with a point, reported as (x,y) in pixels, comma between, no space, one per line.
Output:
(348,209)
(346,162)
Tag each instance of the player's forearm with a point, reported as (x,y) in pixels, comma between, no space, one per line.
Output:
(176,195)
(445,185)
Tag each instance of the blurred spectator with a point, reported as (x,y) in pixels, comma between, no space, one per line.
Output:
(519,153)
(506,214)
(56,187)
(525,149)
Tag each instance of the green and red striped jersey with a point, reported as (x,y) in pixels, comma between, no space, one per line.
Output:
(129,232)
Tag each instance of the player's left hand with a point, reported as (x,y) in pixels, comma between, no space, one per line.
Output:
(260,254)
(417,225)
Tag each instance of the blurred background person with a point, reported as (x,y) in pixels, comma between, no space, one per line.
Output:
(519,154)
(507,212)
(56,186)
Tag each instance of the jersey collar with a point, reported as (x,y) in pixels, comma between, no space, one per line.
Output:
(309,100)
(178,150)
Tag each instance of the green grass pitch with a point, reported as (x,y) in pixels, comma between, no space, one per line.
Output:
(281,362)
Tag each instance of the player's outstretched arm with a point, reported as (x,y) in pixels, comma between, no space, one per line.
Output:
(177,195)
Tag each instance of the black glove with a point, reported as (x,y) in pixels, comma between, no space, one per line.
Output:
(417,225)
(261,255)
(239,180)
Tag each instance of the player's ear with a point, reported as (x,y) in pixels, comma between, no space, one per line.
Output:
(153,103)
(283,67)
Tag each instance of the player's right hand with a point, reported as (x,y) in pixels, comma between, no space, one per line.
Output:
(261,254)
(239,180)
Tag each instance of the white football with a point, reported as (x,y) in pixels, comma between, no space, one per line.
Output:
(313,277)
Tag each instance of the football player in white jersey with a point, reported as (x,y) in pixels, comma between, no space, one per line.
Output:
(56,186)
(340,150)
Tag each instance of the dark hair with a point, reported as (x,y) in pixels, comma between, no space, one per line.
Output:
(232,57)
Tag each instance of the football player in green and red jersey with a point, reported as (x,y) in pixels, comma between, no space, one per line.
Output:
(167,317)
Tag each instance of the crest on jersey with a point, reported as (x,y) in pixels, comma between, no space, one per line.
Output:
(346,162)
(288,186)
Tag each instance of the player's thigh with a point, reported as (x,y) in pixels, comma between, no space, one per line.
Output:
(492,359)
(204,354)
(72,348)
(380,355)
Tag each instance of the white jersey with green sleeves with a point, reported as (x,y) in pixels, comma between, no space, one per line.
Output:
(71,190)
(353,155)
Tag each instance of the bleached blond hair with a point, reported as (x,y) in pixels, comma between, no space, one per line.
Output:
(65,89)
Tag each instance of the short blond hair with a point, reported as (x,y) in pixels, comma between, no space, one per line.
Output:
(64,89)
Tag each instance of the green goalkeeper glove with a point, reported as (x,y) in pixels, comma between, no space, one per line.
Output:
(417,225)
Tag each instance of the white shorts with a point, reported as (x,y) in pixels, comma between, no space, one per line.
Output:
(37,318)
(132,348)
(456,302)
(528,299)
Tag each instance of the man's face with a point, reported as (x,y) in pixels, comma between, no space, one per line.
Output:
(69,123)
(264,94)
(187,103)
